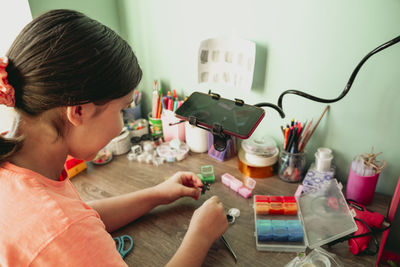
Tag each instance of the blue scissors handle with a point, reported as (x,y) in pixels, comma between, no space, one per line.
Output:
(120,240)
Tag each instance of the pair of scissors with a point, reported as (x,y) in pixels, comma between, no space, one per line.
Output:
(120,242)
(231,220)
(228,247)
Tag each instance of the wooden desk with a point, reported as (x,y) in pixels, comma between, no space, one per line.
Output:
(158,234)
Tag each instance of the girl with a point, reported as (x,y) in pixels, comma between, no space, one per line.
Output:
(68,78)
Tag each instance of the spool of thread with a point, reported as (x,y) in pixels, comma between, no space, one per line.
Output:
(196,138)
(252,171)
(323,159)
(120,144)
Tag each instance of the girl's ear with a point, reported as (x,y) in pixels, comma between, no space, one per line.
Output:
(75,115)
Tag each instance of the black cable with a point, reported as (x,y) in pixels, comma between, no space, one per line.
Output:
(279,108)
(266,104)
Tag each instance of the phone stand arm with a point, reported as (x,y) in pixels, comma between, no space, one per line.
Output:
(266,104)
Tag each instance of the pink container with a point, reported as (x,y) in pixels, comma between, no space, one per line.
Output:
(171,127)
(245,192)
(226,179)
(236,185)
(361,188)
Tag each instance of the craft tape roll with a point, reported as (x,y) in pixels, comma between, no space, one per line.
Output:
(252,171)
(120,144)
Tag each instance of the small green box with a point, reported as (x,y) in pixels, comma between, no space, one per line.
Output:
(208,179)
(207,174)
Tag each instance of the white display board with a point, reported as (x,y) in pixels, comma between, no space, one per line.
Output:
(228,62)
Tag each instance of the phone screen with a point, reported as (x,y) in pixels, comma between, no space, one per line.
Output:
(235,120)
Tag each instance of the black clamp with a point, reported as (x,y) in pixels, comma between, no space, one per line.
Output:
(220,138)
(214,95)
(193,120)
(239,102)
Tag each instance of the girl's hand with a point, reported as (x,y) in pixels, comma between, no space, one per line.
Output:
(209,221)
(181,184)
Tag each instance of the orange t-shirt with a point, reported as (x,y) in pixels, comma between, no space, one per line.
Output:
(45,223)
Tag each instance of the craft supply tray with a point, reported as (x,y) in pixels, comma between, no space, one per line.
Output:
(324,216)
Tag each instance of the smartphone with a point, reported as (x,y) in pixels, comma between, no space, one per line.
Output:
(237,120)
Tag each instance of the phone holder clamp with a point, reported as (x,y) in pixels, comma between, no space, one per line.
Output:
(220,138)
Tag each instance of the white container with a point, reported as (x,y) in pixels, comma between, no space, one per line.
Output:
(323,159)
(196,138)
(120,144)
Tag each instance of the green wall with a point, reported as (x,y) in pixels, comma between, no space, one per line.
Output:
(306,45)
(105,11)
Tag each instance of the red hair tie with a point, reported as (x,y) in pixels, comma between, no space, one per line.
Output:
(7,92)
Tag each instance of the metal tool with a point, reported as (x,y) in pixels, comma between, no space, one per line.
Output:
(228,247)
(206,186)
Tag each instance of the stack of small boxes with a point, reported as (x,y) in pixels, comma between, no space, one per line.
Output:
(245,190)
(276,219)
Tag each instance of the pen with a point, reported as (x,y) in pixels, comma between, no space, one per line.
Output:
(305,135)
(290,137)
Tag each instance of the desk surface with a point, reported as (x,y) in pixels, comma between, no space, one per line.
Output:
(158,234)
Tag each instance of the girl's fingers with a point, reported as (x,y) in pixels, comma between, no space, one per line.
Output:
(190,179)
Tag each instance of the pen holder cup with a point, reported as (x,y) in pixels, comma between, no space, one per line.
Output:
(172,126)
(291,166)
(132,114)
(155,126)
(361,188)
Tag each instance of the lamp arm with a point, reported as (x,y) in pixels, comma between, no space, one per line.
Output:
(279,108)
(350,81)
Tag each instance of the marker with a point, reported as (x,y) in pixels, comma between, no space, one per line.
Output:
(286,137)
(159,107)
(155,108)
(170,103)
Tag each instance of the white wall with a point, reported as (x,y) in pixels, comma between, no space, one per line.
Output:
(15,15)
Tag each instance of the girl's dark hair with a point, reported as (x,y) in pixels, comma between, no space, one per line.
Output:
(64,58)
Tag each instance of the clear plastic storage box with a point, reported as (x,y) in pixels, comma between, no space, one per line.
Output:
(323,216)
